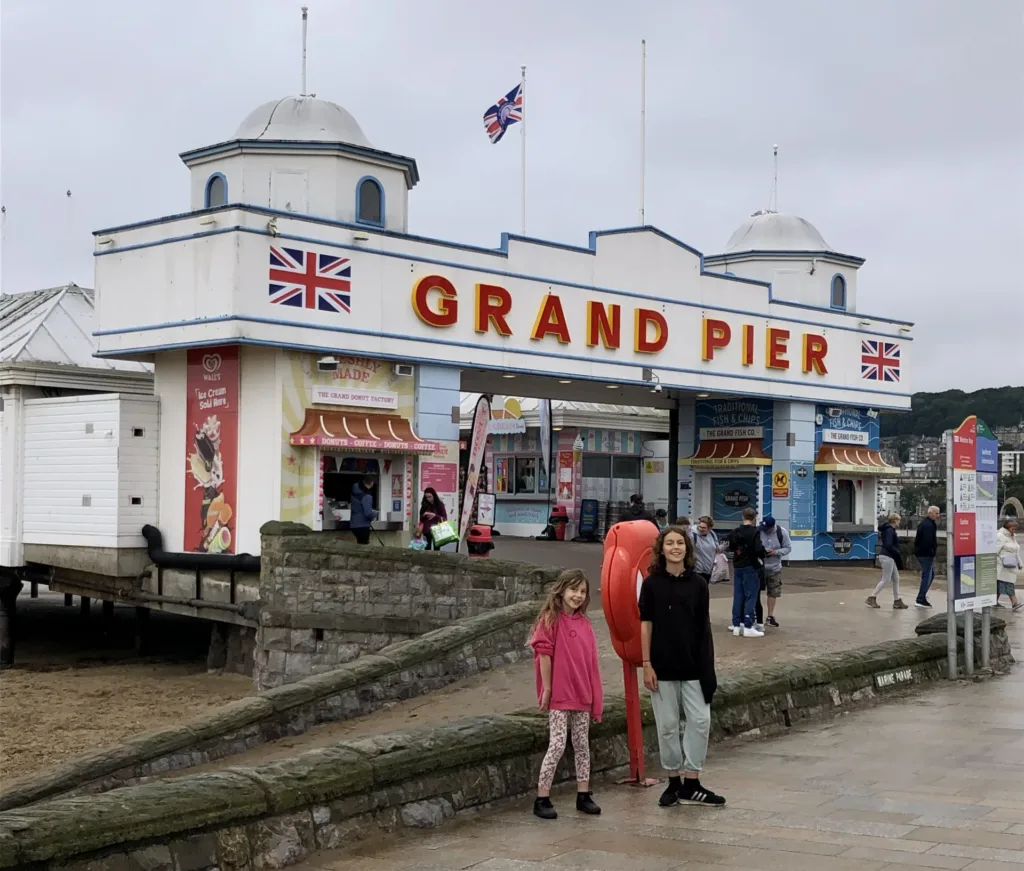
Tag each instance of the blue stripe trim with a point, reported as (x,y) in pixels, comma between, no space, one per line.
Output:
(274,322)
(493,252)
(180,346)
(504,273)
(406,164)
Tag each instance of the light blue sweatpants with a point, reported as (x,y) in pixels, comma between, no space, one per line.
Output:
(671,698)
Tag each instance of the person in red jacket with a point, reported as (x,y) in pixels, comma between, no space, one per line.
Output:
(568,686)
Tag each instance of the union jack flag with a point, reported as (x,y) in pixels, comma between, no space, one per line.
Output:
(879,361)
(306,279)
(504,113)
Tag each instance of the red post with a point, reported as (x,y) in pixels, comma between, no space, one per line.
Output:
(634,725)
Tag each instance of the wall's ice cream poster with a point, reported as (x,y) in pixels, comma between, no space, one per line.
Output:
(211,449)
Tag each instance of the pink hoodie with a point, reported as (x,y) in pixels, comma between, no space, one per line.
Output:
(575,675)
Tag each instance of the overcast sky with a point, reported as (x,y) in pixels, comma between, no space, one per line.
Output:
(901,126)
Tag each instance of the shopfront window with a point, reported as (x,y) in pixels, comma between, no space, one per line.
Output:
(844,502)
(518,476)
(340,474)
(625,478)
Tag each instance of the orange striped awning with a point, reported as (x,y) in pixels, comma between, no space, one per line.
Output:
(717,453)
(858,461)
(363,432)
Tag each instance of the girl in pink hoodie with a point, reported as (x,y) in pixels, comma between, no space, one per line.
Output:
(568,685)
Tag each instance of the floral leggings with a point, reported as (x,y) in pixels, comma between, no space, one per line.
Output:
(559,724)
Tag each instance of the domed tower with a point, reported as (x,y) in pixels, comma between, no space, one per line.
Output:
(789,252)
(308,156)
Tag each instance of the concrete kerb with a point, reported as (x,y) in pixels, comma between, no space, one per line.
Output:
(422,776)
(238,715)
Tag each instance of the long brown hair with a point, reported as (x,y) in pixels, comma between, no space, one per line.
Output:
(658,555)
(555,602)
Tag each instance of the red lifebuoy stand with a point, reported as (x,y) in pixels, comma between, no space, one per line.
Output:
(627,555)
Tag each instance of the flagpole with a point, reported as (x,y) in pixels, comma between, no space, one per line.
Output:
(522,170)
(643,126)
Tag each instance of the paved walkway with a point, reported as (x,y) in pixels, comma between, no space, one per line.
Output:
(934,781)
(821,610)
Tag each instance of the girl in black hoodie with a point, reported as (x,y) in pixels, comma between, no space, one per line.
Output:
(891,561)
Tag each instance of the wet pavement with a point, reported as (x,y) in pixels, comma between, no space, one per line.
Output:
(933,781)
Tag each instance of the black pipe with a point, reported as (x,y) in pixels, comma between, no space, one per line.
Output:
(212,562)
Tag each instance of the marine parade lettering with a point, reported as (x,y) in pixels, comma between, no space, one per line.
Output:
(435,300)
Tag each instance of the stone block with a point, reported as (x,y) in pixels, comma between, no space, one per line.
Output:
(302,641)
(282,841)
(195,853)
(154,858)
(427,814)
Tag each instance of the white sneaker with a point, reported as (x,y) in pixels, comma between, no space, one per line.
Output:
(736,630)
(759,627)
(753,632)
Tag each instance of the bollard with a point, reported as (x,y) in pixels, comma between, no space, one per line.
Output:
(986,638)
(69,600)
(84,606)
(969,642)
(9,590)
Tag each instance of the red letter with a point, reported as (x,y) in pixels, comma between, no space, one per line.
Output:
(551,319)
(748,344)
(642,318)
(603,324)
(447,312)
(815,349)
(776,349)
(717,335)
(493,303)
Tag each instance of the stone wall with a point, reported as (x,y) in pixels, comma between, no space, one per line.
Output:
(401,671)
(326,601)
(277,814)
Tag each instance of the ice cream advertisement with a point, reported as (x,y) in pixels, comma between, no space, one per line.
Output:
(211,449)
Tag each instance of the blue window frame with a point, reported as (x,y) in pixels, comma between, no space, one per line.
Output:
(837,293)
(216,192)
(370,201)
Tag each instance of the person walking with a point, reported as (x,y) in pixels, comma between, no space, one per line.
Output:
(363,513)
(926,546)
(635,511)
(432,512)
(1008,563)
(776,543)
(747,552)
(569,687)
(705,547)
(679,665)
(891,561)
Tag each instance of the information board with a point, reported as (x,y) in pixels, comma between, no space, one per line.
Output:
(973,526)
(801,500)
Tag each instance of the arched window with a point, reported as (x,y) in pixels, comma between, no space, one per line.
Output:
(838,299)
(216,192)
(369,201)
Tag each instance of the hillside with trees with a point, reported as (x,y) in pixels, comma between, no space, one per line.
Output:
(932,414)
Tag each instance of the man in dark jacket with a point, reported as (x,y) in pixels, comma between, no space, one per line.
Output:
(747,553)
(636,511)
(363,512)
(926,545)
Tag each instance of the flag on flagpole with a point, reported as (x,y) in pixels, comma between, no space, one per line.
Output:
(507,111)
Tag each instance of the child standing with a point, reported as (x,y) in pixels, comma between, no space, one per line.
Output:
(418,541)
(568,685)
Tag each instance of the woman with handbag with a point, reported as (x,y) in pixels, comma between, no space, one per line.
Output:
(1007,563)
(432,512)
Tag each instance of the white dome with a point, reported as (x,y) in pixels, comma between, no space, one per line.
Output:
(770,231)
(302,119)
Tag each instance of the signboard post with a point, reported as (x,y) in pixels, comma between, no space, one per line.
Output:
(972,516)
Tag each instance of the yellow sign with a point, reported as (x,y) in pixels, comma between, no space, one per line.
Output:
(780,485)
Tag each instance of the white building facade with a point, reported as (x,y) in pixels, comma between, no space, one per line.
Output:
(302,339)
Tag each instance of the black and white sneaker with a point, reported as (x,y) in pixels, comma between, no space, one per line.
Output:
(692,791)
(923,603)
(670,796)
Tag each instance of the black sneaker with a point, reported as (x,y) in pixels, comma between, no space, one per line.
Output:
(585,804)
(771,621)
(693,792)
(670,796)
(923,603)
(543,808)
